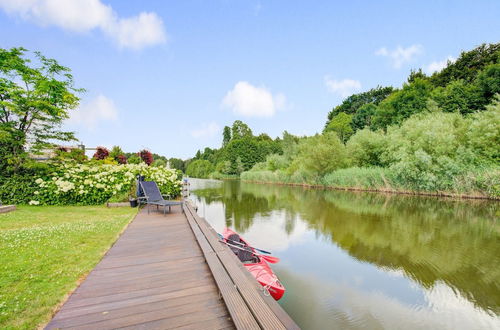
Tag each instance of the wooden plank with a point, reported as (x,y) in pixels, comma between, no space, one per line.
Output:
(171,317)
(218,323)
(67,312)
(126,311)
(93,299)
(180,320)
(142,283)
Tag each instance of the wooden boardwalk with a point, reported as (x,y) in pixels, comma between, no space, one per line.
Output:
(168,272)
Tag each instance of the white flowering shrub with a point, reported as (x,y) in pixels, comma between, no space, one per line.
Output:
(90,184)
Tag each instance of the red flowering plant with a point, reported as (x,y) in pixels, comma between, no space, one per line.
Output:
(101,153)
(121,159)
(146,156)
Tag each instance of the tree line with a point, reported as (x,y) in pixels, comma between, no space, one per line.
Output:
(240,151)
(437,133)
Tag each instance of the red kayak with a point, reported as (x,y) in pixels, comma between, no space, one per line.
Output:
(256,265)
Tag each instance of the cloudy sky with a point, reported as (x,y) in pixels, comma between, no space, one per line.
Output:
(169,75)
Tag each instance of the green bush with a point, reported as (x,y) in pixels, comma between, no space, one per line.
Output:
(429,150)
(134,159)
(483,133)
(366,147)
(199,169)
(318,155)
(83,184)
(122,196)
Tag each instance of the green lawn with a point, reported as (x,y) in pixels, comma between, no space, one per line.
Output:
(44,250)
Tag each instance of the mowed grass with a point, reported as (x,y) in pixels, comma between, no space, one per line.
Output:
(44,251)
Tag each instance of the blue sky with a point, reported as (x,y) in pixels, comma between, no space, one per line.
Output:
(169,75)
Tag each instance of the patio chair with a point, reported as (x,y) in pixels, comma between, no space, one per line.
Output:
(153,196)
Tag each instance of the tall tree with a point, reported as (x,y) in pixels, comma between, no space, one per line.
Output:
(35,98)
(341,124)
(468,65)
(226,135)
(240,130)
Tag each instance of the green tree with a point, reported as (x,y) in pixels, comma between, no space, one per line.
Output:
(247,150)
(468,65)
(177,163)
(159,163)
(429,150)
(458,96)
(224,167)
(402,104)
(341,124)
(134,159)
(115,152)
(238,166)
(366,147)
(240,130)
(363,117)
(351,104)
(489,81)
(35,98)
(226,136)
(199,169)
(289,144)
(321,154)
(483,133)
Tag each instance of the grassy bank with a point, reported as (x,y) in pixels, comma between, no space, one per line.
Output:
(44,251)
(478,184)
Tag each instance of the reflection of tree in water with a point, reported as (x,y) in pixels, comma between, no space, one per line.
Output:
(431,239)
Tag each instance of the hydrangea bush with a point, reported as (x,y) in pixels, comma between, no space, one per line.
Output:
(90,184)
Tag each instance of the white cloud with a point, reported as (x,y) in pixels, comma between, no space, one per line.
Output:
(250,101)
(400,55)
(439,65)
(145,29)
(90,114)
(206,131)
(343,87)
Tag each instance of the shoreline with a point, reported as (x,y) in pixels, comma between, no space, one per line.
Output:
(375,190)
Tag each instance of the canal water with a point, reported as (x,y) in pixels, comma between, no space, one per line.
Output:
(353,260)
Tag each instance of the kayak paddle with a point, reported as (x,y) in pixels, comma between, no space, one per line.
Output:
(230,240)
(270,259)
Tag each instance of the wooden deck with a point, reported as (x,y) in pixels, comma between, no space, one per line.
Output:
(168,272)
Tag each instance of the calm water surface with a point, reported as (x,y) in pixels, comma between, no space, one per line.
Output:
(366,260)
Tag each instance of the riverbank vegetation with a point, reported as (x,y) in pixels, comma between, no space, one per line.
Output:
(436,134)
(45,250)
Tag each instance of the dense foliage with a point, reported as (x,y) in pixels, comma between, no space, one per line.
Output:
(83,184)
(435,134)
(240,151)
(35,98)
(465,86)
(199,168)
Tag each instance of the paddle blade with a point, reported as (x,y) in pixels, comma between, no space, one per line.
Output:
(270,259)
(262,251)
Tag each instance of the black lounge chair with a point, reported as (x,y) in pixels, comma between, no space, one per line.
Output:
(153,196)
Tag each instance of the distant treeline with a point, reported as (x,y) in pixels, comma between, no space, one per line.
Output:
(438,133)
